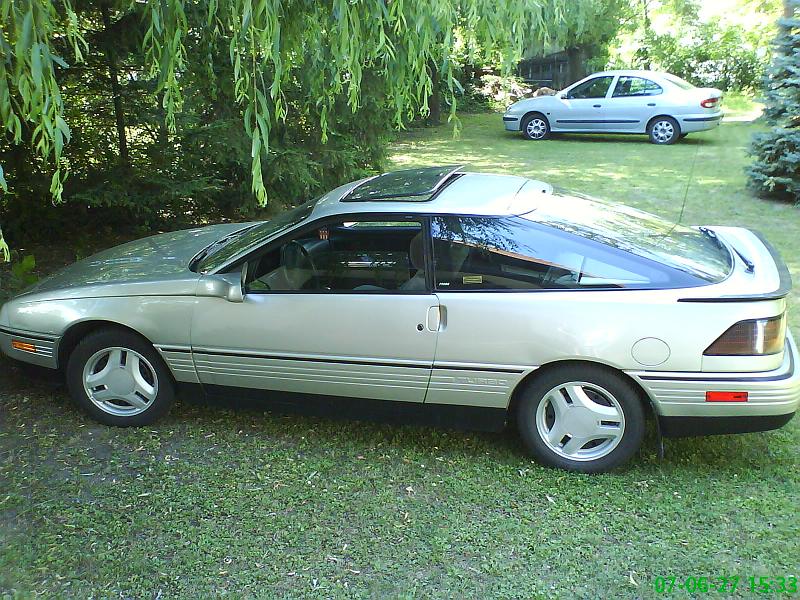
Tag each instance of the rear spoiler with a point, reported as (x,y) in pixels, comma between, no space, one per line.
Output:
(783,289)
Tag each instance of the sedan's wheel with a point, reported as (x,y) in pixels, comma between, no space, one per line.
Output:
(119,379)
(664,130)
(535,127)
(581,418)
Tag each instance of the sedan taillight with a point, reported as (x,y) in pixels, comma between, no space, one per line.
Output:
(751,338)
(709,102)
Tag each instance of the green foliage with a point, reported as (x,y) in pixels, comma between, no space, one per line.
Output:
(22,274)
(30,98)
(776,170)
(214,103)
(726,49)
(710,54)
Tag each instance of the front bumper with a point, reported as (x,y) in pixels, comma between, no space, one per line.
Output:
(679,399)
(41,349)
(511,122)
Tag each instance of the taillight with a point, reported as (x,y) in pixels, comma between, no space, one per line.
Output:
(751,338)
(709,102)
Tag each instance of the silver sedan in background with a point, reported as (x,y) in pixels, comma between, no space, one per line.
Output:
(663,106)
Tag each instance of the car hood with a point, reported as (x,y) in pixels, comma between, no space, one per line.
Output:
(154,260)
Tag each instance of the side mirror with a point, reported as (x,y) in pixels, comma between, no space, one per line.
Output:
(563,96)
(229,286)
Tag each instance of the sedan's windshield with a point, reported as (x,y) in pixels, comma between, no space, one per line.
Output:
(684,248)
(220,255)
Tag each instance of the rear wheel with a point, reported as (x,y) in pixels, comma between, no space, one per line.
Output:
(581,418)
(119,379)
(664,130)
(535,127)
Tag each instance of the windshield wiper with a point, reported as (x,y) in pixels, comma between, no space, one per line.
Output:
(749,265)
(216,244)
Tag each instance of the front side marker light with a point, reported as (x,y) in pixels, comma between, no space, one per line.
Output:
(23,346)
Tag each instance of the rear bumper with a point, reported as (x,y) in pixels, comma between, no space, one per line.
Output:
(699,122)
(43,352)
(680,403)
(696,426)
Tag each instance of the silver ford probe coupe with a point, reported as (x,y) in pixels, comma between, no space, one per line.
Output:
(435,295)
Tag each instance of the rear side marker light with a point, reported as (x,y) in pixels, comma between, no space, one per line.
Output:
(709,102)
(726,396)
(23,346)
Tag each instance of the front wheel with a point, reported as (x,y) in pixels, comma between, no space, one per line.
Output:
(535,127)
(119,379)
(581,418)
(664,130)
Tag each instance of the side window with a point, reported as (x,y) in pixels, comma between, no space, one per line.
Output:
(594,88)
(636,86)
(513,253)
(349,256)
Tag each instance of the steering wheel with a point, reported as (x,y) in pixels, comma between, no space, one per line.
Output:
(314,272)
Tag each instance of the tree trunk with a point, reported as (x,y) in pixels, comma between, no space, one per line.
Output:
(435,99)
(644,51)
(575,68)
(788,10)
(113,73)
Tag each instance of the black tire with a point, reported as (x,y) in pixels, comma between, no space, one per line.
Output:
(604,380)
(659,128)
(535,127)
(153,371)
(683,135)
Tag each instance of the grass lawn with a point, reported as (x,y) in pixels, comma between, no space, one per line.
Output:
(225,500)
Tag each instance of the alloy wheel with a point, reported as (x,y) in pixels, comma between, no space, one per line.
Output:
(120,381)
(580,421)
(663,131)
(536,129)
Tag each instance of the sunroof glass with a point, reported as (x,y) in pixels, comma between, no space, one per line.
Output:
(410,184)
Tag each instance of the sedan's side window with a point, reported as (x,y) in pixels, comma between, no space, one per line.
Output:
(594,88)
(346,256)
(514,253)
(636,86)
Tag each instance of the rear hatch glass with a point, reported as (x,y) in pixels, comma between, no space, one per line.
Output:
(692,250)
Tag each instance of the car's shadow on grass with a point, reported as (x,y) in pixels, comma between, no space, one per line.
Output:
(45,398)
(622,139)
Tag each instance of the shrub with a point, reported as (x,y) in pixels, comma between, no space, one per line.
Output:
(776,170)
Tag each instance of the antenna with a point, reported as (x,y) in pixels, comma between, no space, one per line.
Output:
(686,190)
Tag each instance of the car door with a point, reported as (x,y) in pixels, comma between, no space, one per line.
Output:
(582,107)
(633,102)
(515,295)
(341,309)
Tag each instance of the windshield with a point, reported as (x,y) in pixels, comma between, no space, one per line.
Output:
(253,236)
(684,248)
(681,83)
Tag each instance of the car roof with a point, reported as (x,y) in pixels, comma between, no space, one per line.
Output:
(458,192)
(633,72)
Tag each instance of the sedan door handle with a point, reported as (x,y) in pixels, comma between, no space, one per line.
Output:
(434,319)
(596,105)
(651,104)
